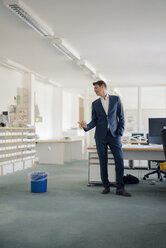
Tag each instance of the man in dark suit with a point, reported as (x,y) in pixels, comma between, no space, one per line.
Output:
(108,118)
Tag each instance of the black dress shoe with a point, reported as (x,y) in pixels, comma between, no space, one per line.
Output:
(122,192)
(106,191)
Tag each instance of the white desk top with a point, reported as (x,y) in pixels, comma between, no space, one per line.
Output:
(58,141)
(131,147)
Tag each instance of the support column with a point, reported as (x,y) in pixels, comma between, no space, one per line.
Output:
(28,81)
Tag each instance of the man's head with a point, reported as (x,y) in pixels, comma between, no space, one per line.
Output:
(100,88)
(100,83)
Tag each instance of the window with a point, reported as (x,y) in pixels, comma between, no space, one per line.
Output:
(153,104)
(129,97)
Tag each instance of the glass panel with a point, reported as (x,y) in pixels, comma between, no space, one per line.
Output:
(153,104)
(153,113)
(153,97)
(129,97)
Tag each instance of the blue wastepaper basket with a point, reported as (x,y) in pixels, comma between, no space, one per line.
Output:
(38,182)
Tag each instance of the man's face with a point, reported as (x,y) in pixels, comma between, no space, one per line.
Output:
(98,89)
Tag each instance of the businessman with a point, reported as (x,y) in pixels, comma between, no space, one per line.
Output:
(108,118)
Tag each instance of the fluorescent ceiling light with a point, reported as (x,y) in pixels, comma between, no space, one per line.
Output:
(13,65)
(46,80)
(54,83)
(86,67)
(64,48)
(29,17)
(16,66)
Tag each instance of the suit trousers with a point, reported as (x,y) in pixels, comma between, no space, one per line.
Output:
(114,143)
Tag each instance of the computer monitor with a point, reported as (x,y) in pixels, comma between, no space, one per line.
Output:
(155,126)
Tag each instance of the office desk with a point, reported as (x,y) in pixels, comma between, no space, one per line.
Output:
(130,152)
(58,151)
(140,152)
(143,152)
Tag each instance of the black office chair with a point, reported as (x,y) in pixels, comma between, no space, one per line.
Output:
(137,137)
(158,171)
(163,139)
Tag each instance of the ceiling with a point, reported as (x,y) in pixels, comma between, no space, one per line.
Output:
(125,41)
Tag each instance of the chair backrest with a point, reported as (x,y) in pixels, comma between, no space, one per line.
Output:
(137,136)
(163,138)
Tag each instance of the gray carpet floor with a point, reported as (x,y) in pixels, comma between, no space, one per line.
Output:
(71,214)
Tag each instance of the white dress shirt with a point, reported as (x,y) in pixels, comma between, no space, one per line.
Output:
(105,103)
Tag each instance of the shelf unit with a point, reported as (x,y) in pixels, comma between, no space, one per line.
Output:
(94,168)
(17,149)
(21,114)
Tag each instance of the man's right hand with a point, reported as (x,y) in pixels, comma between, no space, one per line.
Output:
(83,124)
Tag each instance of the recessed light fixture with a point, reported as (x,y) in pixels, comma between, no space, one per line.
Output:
(64,48)
(19,8)
(13,65)
(86,67)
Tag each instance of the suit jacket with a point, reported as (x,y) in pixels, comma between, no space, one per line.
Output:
(114,119)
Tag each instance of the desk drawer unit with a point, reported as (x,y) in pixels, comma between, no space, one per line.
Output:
(94,168)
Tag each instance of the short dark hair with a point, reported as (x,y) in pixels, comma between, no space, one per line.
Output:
(100,83)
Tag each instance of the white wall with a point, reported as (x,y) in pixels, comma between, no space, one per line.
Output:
(10,80)
(74,111)
(66,110)
(48,98)
(70,110)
